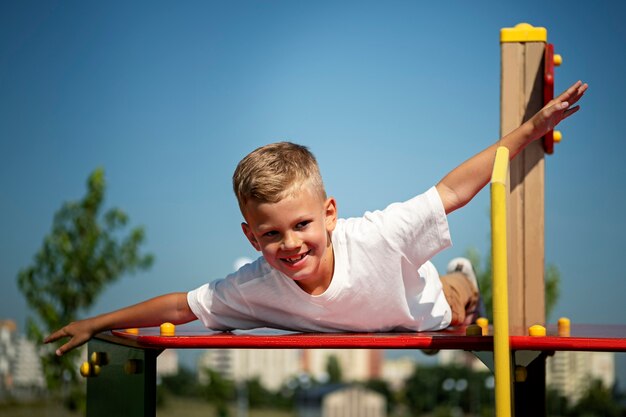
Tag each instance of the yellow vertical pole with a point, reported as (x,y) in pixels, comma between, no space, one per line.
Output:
(501,351)
(523,54)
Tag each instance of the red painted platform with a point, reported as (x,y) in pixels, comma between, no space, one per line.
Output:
(583,337)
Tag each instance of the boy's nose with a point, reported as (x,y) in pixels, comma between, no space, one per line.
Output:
(290,241)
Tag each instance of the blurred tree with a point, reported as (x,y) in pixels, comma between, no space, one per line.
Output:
(556,404)
(382,387)
(598,401)
(333,369)
(219,391)
(258,395)
(83,253)
(438,389)
(184,383)
(484,277)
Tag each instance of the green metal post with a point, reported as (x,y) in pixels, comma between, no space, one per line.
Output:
(125,383)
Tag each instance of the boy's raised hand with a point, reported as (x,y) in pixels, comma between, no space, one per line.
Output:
(461,184)
(557,109)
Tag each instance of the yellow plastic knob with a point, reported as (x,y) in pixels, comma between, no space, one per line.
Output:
(558,60)
(99,358)
(536,330)
(473,330)
(168,329)
(132,331)
(132,366)
(521,373)
(564,326)
(557,136)
(483,322)
(85,369)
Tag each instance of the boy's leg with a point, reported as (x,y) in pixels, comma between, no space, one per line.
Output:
(461,291)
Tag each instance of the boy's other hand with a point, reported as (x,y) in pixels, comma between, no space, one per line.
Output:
(556,110)
(79,333)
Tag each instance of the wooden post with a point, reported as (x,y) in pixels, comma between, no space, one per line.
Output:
(523,49)
(522,96)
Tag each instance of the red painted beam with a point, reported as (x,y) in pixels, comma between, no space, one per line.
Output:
(582,337)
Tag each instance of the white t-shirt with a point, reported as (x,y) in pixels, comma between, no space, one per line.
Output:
(383,280)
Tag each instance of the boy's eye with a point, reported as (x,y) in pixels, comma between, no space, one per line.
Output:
(271,233)
(303,224)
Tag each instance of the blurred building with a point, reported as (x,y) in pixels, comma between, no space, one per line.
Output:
(21,374)
(396,371)
(355,364)
(570,373)
(272,366)
(338,400)
(7,355)
(167,363)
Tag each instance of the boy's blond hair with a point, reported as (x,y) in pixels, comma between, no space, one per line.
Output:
(270,173)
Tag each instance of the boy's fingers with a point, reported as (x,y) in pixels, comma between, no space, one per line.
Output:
(570,111)
(74,342)
(571,95)
(578,94)
(570,91)
(60,351)
(55,336)
(576,91)
(66,347)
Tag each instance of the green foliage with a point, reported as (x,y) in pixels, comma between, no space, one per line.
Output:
(224,393)
(183,384)
(484,276)
(432,388)
(83,253)
(553,288)
(443,411)
(556,404)
(219,391)
(597,401)
(258,395)
(438,388)
(333,369)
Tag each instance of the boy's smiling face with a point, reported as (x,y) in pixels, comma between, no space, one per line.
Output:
(294,236)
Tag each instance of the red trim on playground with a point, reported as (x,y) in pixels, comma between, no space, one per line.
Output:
(548,92)
(582,338)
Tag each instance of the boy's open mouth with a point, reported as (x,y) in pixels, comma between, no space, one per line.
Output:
(295,259)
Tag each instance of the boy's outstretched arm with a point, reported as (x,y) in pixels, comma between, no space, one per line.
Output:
(465,181)
(171,308)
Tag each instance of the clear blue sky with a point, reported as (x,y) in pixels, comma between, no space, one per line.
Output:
(167,97)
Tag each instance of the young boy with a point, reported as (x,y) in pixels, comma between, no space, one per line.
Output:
(321,273)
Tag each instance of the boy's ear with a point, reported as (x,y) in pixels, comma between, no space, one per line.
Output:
(248,232)
(330,208)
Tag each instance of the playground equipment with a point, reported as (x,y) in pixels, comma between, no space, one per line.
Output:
(501,348)
(121,370)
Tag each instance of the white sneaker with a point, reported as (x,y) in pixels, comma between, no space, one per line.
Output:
(464,266)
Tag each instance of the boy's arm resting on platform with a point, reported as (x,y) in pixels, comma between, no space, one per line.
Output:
(171,308)
(459,186)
